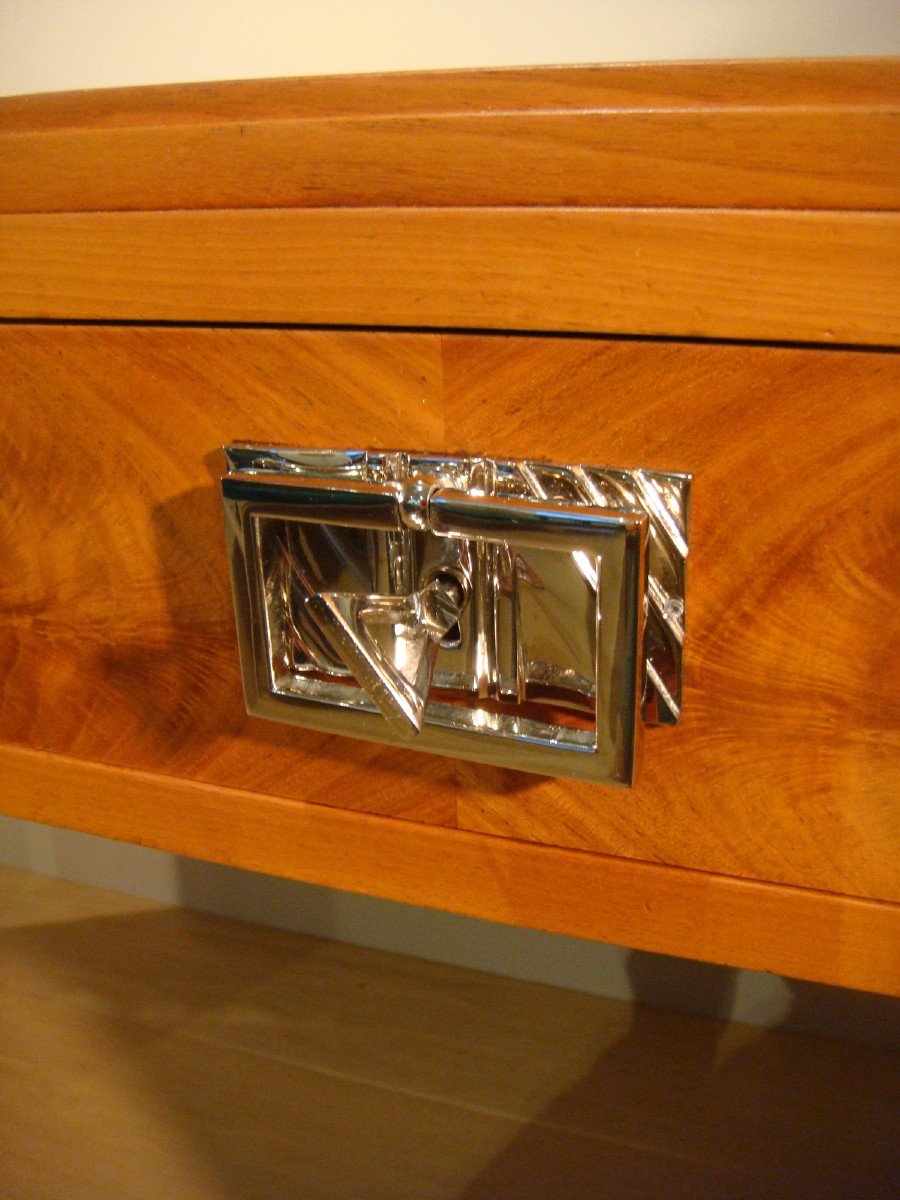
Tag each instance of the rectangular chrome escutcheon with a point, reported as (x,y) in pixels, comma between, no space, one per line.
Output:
(512,612)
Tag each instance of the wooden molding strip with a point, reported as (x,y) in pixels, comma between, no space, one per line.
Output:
(806,934)
(801,134)
(818,277)
(829,157)
(872,82)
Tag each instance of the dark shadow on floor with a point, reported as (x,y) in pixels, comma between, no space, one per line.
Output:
(269,1065)
(698,1108)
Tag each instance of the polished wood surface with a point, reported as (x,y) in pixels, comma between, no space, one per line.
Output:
(798,83)
(786,764)
(810,276)
(150,1052)
(830,158)
(775,135)
(117,637)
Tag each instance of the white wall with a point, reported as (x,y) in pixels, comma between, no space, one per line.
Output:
(48,45)
(51,45)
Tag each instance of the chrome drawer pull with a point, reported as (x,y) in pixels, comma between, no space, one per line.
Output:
(497,610)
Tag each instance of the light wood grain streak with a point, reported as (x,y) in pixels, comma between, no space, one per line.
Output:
(821,277)
(770,83)
(810,935)
(768,158)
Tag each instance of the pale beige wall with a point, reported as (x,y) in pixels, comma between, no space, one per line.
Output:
(49,45)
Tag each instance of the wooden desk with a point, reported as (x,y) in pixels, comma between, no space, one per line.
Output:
(689,268)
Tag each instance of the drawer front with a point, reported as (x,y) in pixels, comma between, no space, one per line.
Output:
(117,640)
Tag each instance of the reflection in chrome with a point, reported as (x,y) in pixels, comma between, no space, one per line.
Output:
(503,610)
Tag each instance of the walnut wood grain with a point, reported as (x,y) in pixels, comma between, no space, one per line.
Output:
(786,764)
(117,635)
(117,640)
(794,931)
(810,276)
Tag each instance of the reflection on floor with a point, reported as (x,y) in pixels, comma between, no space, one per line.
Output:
(149,1052)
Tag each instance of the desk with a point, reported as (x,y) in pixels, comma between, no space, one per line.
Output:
(684,268)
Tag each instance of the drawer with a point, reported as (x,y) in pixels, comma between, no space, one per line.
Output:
(117,637)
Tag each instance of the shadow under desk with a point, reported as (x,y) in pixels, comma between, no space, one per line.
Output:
(148,1051)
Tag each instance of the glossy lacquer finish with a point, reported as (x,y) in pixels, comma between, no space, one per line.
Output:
(484,608)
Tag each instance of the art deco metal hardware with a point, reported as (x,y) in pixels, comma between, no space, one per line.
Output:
(513,612)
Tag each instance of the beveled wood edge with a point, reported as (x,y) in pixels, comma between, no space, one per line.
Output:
(806,934)
(815,277)
(869,81)
(814,134)
(802,158)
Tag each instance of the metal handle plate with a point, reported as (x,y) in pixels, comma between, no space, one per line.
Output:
(489,609)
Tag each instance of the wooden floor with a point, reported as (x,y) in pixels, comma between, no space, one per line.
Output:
(150,1052)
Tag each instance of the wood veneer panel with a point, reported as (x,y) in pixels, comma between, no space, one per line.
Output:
(785,764)
(834,157)
(794,931)
(742,274)
(116,628)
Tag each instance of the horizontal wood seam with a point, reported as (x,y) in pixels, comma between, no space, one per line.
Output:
(65,761)
(442,331)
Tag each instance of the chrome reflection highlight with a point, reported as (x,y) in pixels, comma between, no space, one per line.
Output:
(520,613)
